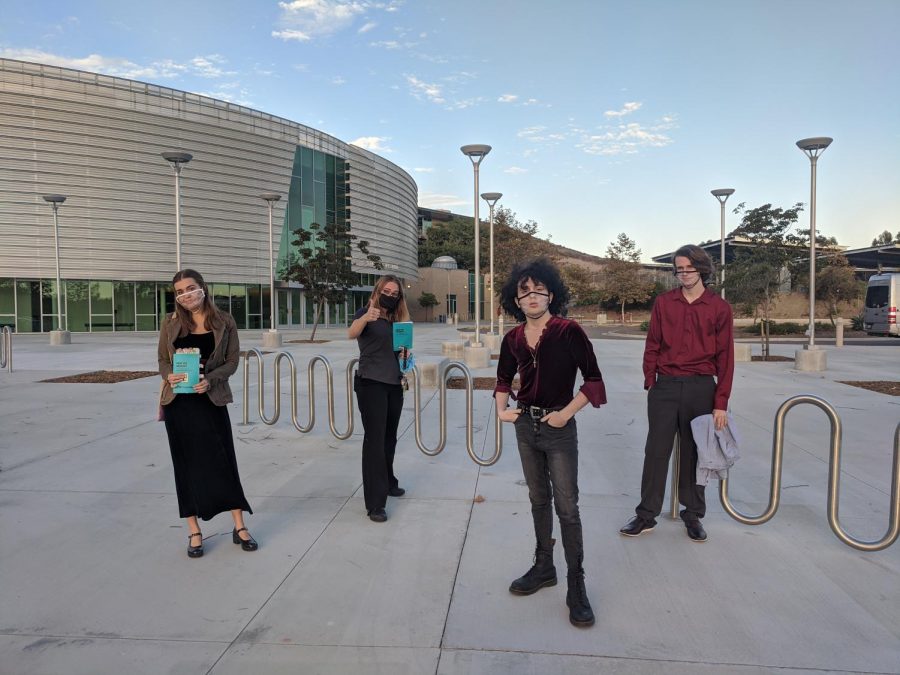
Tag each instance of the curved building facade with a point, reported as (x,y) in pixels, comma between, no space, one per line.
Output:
(97,140)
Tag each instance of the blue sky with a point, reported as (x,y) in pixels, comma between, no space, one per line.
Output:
(604,117)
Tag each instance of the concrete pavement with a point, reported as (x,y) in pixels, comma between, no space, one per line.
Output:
(94,576)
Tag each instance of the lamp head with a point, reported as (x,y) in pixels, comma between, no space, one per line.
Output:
(177,157)
(491,197)
(270,196)
(54,199)
(813,147)
(475,152)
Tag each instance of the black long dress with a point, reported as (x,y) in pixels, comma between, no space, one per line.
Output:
(206,472)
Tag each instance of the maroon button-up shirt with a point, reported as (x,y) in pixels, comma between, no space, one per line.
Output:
(691,338)
(547,373)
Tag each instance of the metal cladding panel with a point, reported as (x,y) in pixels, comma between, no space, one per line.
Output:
(383,208)
(98,139)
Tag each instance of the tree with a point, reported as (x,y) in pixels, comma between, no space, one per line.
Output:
(759,273)
(427,301)
(624,278)
(514,241)
(582,286)
(885,239)
(320,261)
(836,282)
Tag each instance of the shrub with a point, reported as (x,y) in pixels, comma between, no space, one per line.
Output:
(645,326)
(857,322)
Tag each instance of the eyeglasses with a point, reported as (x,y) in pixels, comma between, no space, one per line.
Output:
(537,294)
(684,273)
(391,295)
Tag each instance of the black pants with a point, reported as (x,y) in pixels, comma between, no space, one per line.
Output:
(380,406)
(550,464)
(671,405)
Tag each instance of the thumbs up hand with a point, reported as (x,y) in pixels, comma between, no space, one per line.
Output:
(373,313)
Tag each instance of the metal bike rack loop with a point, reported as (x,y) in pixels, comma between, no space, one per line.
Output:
(310,378)
(834,478)
(442,421)
(6,349)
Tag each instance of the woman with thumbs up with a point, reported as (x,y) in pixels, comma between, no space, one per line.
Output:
(379,392)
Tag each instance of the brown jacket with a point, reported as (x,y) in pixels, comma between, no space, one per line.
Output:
(221,365)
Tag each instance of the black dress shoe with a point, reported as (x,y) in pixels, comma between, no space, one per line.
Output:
(396,491)
(246,544)
(636,526)
(195,551)
(695,530)
(378,515)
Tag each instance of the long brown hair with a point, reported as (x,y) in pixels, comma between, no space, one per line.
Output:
(401,311)
(699,259)
(214,319)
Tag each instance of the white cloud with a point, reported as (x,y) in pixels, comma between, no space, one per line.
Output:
(372,143)
(386,44)
(338,80)
(627,109)
(507,98)
(423,169)
(419,89)
(209,66)
(309,19)
(515,170)
(290,34)
(435,200)
(626,139)
(531,101)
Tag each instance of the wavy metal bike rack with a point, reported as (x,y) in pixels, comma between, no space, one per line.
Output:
(442,420)
(311,384)
(834,478)
(6,349)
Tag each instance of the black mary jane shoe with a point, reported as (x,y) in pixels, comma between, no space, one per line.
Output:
(378,515)
(695,530)
(246,544)
(195,551)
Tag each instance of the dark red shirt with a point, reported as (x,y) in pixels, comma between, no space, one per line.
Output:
(547,373)
(691,338)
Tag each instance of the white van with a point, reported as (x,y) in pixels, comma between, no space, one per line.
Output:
(882,299)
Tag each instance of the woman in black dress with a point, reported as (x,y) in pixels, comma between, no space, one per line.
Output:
(198,426)
(379,392)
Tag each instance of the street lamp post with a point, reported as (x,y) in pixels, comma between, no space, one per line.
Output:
(491,198)
(272,338)
(60,336)
(177,159)
(812,148)
(722,196)
(477,153)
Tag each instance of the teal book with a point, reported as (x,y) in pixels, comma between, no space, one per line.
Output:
(190,364)
(403,335)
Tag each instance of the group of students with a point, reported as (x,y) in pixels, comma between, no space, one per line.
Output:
(688,368)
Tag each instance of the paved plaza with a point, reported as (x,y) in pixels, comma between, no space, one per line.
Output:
(94,577)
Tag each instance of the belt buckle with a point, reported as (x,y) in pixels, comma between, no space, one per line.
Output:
(535,412)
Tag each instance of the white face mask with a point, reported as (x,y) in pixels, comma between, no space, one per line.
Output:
(191,299)
(543,303)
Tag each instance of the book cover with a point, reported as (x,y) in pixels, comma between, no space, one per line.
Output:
(403,335)
(186,363)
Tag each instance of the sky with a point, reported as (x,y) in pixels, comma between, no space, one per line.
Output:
(603,117)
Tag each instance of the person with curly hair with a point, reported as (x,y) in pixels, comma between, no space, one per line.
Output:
(688,370)
(547,351)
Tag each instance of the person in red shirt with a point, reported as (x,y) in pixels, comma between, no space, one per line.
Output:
(688,369)
(547,351)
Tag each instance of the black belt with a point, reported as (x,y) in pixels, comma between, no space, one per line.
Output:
(681,378)
(536,412)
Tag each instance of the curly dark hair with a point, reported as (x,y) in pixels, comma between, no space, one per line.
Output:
(699,259)
(538,270)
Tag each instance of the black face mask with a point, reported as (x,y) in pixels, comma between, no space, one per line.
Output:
(389,302)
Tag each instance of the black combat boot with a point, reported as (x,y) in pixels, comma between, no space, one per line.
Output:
(541,574)
(580,612)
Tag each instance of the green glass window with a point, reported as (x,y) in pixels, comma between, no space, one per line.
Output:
(78,306)
(28,306)
(239,304)
(123,317)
